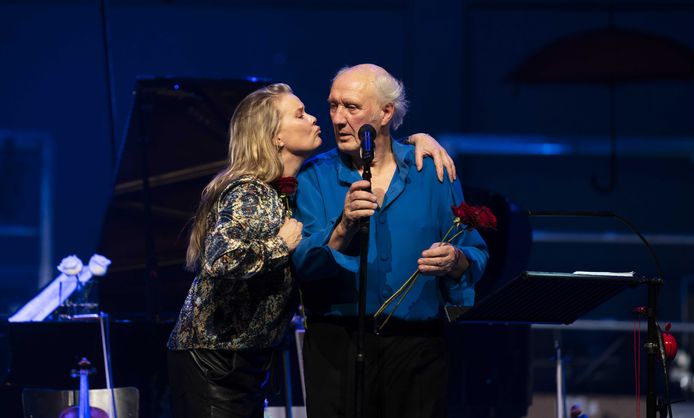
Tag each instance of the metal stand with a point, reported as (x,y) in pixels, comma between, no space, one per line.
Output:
(654,347)
(651,348)
(367,135)
(561,387)
(561,298)
(359,375)
(104,327)
(288,398)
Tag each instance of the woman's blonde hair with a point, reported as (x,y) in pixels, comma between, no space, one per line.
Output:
(254,125)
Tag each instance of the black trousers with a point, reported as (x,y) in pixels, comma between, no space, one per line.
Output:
(406,370)
(218,383)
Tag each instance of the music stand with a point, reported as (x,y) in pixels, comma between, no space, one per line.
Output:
(544,298)
(561,298)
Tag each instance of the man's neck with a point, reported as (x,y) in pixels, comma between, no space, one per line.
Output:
(383,155)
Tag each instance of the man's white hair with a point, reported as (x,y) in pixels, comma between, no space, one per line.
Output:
(388,90)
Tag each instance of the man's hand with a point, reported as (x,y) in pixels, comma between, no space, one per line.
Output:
(359,203)
(443,259)
(426,146)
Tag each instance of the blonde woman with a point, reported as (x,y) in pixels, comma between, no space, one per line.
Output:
(243,295)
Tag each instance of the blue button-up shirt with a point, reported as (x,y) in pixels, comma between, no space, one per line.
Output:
(415,213)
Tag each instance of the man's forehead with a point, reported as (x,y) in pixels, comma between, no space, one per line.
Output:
(352,86)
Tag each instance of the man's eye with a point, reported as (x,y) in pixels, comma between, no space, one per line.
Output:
(351,107)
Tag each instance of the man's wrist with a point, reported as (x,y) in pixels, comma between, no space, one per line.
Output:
(461,265)
(341,236)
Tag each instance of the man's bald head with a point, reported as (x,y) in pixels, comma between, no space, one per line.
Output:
(386,88)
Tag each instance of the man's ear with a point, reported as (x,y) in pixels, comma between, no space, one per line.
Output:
(387,112)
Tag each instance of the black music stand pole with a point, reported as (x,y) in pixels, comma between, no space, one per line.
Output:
(652,348)
(562,298)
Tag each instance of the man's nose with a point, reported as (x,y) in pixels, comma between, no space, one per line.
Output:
(338,116)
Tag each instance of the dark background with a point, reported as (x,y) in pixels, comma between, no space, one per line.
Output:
(454,57)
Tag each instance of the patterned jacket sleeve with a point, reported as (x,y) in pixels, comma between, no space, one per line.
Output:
(241,243)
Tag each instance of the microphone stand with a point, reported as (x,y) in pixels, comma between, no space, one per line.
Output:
(652,345)
(360,386)
(367,134)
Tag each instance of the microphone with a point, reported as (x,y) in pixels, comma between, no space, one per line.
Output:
(367,135)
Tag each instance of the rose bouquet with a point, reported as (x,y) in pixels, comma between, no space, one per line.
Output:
(465,218)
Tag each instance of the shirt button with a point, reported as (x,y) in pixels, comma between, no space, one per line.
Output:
(384,257)
(382,220)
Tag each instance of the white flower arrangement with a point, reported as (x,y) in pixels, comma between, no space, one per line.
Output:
(73,275)
(76,280)
(73,266)
(98,265)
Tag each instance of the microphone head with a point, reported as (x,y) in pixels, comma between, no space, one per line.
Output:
(367,135)
(367,130)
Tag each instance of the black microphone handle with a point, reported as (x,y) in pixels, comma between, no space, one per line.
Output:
(366,175)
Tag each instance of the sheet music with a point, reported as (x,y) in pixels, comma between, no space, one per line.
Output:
(605,273)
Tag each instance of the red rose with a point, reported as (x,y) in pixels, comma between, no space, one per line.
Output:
(487,220)
(474,217)
(461,211)
(286,185)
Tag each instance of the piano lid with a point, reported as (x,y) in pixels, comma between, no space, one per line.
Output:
(175,142)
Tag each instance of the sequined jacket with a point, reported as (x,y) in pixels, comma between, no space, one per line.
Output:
(244,295)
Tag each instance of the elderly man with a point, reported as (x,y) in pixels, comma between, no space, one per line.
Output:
(406,363)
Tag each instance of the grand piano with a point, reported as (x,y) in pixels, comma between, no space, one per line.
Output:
(175,142)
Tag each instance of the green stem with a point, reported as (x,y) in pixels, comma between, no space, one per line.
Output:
(407,286)
(449,231)
(403,290)
(456,235)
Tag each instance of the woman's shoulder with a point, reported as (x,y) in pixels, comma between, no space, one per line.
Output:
(247,184)
(248,188)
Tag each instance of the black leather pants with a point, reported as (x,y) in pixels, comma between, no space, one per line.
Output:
(218,383)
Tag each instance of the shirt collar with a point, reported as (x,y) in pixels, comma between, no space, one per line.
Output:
(404,158)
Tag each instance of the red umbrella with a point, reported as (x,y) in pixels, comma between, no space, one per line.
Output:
(607,56)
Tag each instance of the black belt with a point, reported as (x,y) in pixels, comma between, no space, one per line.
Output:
(394,326)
